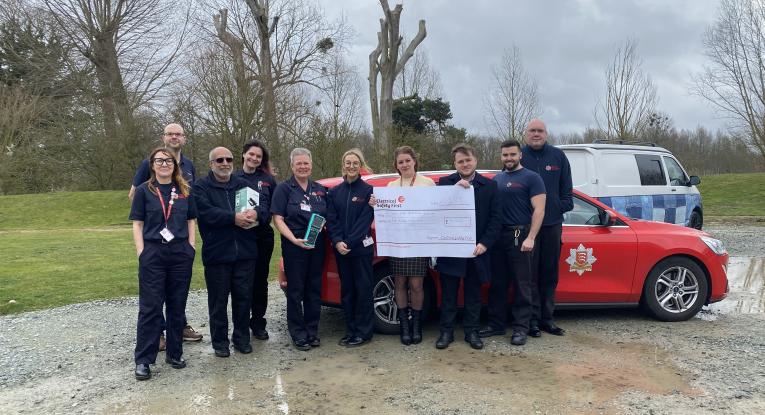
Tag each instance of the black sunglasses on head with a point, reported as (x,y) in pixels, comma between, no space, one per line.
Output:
(220,160)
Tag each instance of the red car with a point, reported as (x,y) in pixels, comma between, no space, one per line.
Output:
(607,260)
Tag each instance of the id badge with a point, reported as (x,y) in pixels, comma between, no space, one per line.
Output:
(367,241)
(306,207)
(166,235)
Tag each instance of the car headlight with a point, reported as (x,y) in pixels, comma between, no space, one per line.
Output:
(715,245)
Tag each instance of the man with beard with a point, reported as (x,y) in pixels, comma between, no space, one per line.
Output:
(229,251)
(521,197)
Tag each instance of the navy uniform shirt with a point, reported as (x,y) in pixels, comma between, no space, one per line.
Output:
(146,207)
(552,165)
(514,192)
(264,184)
(288,199)
(349,216)
(144,171)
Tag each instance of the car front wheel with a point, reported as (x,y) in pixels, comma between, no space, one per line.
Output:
(384,297)
(675,290)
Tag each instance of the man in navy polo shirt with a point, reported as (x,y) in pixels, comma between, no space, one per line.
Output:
(521,197)
(550,163)
(174,139)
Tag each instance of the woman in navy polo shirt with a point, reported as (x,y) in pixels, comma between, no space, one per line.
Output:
(292,205)
(255,169)
(164,223)
(349,223)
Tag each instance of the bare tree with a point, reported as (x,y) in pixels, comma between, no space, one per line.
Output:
(734,80)
(630,95)
(279,45)
(512,100)
(386,62)
(417,77)
(127,43)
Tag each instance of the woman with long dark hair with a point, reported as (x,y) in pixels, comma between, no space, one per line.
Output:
(257,172)
(164,226)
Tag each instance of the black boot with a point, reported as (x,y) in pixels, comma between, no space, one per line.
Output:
(405,329)
(416,327)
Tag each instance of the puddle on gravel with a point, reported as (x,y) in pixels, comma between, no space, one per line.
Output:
(584,379)
(746,279)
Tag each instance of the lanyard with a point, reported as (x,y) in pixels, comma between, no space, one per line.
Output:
(411,184)
(165,211)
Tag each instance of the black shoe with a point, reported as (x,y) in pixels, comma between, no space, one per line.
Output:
(260,334)
(489,331)
(535,332)
(142,371)
(176,363)
(416,326)
(404,326)
(356,341)
(314,341)
(445,339)
(222,352)
(243,349)
(518,339)
(474,340)
(301,344)
(344,340)
(552,329)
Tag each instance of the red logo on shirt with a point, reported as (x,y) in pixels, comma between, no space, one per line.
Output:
(552,168)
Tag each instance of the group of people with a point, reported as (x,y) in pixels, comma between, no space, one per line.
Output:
(519,214)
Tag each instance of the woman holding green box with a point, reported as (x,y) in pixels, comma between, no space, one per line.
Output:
(295,203)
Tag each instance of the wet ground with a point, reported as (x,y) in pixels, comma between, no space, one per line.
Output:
(77,359)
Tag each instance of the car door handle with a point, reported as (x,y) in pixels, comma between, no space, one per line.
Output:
(674,190)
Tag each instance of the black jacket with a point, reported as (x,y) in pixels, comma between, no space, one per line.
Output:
(487,221)
(349,216)
(223,241)
(552,164)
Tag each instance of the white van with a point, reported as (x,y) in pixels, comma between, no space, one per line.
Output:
(642,182)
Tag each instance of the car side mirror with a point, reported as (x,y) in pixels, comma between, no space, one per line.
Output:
(694,181)
(605,218)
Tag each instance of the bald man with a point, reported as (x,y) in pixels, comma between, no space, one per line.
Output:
(229,251)
(174,139)
(550,163)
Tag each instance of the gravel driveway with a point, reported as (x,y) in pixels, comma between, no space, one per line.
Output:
(78,359)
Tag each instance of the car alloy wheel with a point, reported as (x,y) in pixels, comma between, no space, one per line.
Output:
(675,290)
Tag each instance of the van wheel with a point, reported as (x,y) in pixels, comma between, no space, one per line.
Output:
(696,220)
(675,289)
(384,300)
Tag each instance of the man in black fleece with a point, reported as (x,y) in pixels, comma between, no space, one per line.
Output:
(550,163)
(229,251)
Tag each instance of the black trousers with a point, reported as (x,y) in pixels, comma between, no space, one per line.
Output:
(164,276)
(509,263)
(545,279)
(260,281)
(356,284)
(235,279)
(472,300)
(303,268)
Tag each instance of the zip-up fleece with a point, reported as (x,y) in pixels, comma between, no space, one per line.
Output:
(552,164)
(349,216)
(223,241)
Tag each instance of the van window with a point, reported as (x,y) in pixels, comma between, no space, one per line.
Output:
(676,174)
(651,173)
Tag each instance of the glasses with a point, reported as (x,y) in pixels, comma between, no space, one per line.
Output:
(352,164)
(175,134)
(220,160)
(162,162)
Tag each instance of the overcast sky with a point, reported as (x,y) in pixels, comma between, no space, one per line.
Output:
(565,44)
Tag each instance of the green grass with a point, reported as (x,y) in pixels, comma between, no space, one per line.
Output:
(64,248)
(733,194)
